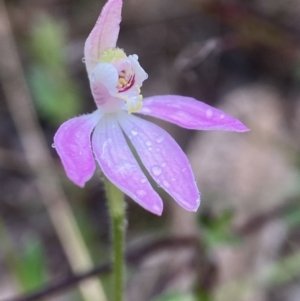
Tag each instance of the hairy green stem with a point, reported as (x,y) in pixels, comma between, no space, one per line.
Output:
(116,206)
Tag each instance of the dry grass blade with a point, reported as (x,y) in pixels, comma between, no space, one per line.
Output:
(39,159)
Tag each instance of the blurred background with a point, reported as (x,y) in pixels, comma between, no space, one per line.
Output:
(244,242)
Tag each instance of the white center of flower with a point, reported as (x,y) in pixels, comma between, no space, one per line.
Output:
(121,76)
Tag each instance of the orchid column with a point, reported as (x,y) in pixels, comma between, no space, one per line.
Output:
(116,81)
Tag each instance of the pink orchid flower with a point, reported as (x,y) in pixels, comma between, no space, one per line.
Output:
(115,81)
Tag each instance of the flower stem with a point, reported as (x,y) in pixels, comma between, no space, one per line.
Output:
(116,206)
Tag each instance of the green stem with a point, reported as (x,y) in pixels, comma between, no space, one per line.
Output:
(116,206)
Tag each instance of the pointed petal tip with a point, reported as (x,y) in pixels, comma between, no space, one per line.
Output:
(158,209)
(78,181)
(197,205)
(154,205)
(187,204)
(193,206)
(239,127)
(81,185)
(105,33)
(245,130)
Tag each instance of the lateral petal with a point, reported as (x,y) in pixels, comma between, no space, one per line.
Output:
(164,160)
(106,75)
(190,113)
(104,34)
(103,81)
(73,145)
(120,167)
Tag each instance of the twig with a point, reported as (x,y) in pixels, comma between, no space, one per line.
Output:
(132,256)
(39,159)
(256,222)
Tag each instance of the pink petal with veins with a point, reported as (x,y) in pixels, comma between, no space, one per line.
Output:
(190,113)
(164,160)
(104,34)
(120,167)
(73,145)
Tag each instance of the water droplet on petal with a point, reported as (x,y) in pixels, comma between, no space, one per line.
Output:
(53,145)
(156,170)
(209,113)
(163,164)
(83,60)
(148,143)
(160,139)
(141,193)
(222,116)
(150,148)
(134,132)
(166,184)
(143,180)
(173,179)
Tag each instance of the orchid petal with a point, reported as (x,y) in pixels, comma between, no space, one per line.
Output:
(120,167)
(103,80)
(190,113)
(73,145)
(106,75)
(140,74)
(104,34)
(163,158)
